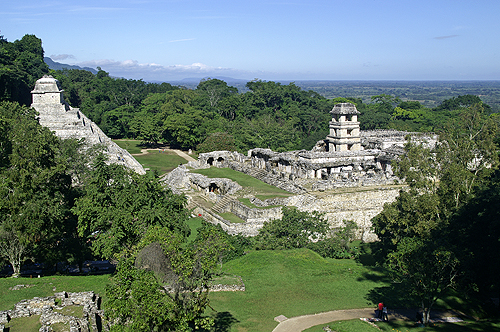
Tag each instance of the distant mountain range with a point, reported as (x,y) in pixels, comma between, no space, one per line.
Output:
(58,66)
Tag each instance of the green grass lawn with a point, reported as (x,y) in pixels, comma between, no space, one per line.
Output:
(71,310)
(44,286)
(194,224)
(247,202)
(131,145)
(25,324)
(231,217)
(263,189)
(289,282)
(292,283)
(162,162)
(356,325)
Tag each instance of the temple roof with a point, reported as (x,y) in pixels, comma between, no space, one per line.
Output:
(47,84)
(344,108)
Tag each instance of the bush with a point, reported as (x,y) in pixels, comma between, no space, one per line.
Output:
(217,142)
(338,244)
(238,244)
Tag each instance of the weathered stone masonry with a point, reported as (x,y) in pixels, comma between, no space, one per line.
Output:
(47,308)
(348,176)
(68,122)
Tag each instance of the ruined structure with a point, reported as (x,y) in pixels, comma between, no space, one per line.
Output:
(348,176)
(344,129)
(67,122)
(50,311)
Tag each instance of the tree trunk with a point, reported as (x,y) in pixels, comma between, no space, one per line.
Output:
(16,266)
(426,313)
(14,251)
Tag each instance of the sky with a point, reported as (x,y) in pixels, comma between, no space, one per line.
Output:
(270,40)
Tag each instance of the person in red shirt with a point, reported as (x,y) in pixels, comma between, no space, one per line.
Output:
(380,308)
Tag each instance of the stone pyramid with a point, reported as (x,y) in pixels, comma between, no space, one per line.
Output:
(68,122)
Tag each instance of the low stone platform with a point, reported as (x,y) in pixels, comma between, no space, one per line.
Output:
(48,307)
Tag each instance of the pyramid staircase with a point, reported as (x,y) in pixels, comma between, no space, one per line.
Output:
(258,173)
(220,206)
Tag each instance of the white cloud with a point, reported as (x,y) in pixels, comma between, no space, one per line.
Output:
(58,57)
(132,69)
(180,40)
(446,37)
(94,9)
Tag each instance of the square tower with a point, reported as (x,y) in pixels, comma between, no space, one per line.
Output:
(344,128)
(47,91)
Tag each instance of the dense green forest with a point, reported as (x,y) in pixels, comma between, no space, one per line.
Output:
(268,115)
(60,202)
(429,93)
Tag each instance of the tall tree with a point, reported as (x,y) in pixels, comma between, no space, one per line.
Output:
(162,285)
(417,229)
(427,268)
(119,206)
(440,179)
(294,230)
(35,188)
(21,64)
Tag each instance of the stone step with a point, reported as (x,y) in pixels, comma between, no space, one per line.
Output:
(219,207)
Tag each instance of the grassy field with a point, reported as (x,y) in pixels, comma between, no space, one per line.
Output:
(247,202)
(292,283)
(357,325)
(260,188)
(194,224)
(25,324)
(132,146)
(47,286)
(162,162)
(231,217)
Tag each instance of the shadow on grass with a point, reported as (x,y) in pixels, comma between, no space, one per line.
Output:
(467,326)
(223,322)
(371,254)
(394,296)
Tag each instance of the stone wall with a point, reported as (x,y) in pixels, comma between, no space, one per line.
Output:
(254,215)
(385,138)
(355,201)
(47,308)
(358,206)
(250,228)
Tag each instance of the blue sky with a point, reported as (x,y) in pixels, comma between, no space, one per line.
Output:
(270,40)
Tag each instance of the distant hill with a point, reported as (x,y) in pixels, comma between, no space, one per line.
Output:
(58,66)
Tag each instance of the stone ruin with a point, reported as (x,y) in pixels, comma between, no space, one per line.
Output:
(355,163)
(347,157)
(68,122)
(48,309)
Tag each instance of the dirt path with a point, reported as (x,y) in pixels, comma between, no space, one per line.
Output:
(300,323)
(178,152)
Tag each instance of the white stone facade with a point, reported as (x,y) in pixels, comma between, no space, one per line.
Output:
(67,122)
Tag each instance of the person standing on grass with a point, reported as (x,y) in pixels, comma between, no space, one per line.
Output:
(385,317)
(380,308)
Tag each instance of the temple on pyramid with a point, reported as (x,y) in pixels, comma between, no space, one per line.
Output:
(68,122)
